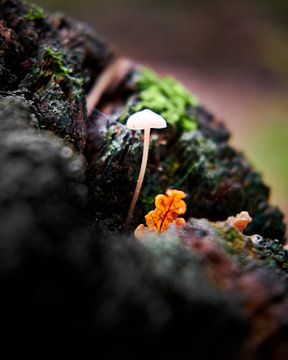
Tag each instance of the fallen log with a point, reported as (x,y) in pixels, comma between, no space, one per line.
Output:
(69,277)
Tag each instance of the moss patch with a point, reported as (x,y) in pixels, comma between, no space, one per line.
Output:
(165,96)
(57,58)
(35,13)
(54,64)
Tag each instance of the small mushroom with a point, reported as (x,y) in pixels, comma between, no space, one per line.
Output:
(256,239)
(142,120)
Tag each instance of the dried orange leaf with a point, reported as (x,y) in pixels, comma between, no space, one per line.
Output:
(168,207)
(240,221)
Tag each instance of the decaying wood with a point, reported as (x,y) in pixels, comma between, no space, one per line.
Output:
(69,280)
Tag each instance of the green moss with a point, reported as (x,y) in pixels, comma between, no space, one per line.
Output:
(60,70)
(232,240)
(35,13)
(234,243)
(232,235)
(165,96)
(57,58)
(268,253)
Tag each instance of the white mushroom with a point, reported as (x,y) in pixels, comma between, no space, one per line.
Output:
(142,120)
(146,120)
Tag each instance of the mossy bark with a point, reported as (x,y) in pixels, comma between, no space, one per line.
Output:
(68,277)
(218,180)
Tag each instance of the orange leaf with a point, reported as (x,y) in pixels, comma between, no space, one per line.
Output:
(240,221)
(168,207)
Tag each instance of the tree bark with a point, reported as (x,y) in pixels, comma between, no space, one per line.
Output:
(68,278)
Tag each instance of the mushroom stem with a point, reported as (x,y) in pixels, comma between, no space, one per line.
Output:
(140,179)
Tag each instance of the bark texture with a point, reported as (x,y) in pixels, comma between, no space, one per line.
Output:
(70,281)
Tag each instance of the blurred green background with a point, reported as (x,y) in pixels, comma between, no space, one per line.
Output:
(232,55)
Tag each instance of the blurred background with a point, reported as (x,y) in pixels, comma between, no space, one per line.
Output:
(232,55)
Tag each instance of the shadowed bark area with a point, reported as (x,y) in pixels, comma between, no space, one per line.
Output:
(69,279)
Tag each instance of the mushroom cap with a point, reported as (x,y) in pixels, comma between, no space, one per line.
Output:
(146,119)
